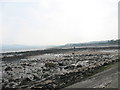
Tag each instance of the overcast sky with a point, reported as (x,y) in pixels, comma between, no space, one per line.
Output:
(57,22)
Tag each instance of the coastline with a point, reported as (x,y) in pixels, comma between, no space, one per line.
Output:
(51,68)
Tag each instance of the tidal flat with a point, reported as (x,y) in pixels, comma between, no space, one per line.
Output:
(54,68)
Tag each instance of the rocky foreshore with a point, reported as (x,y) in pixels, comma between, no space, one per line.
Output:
(54,70)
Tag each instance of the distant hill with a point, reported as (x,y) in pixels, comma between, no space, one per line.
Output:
(94,43)
(14,48)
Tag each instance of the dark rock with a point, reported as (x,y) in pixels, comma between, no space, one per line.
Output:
(79,66)
(11,80)
(25,81)
(61,64)
(8,69)
(35,77)
(48,86)
(50,65)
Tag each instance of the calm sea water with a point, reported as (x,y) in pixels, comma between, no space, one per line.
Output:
(19,50)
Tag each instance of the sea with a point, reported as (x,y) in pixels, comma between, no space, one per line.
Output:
(20,50)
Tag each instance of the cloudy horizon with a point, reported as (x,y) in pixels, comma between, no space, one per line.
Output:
(57,22)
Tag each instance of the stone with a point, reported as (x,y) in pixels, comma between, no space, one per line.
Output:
(25,81)
(8,69)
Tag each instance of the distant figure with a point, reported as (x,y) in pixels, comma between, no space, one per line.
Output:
(74,51)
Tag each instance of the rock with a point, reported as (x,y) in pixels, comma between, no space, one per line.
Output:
(50,65)
(60,64)
(25,81)
(69,67)
(79,66)
(45,75)
(47,81)
(35,77)
(8,69)
(49,86)
(12,83)
(11,80)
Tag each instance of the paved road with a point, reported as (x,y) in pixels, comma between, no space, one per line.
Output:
(105,79)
